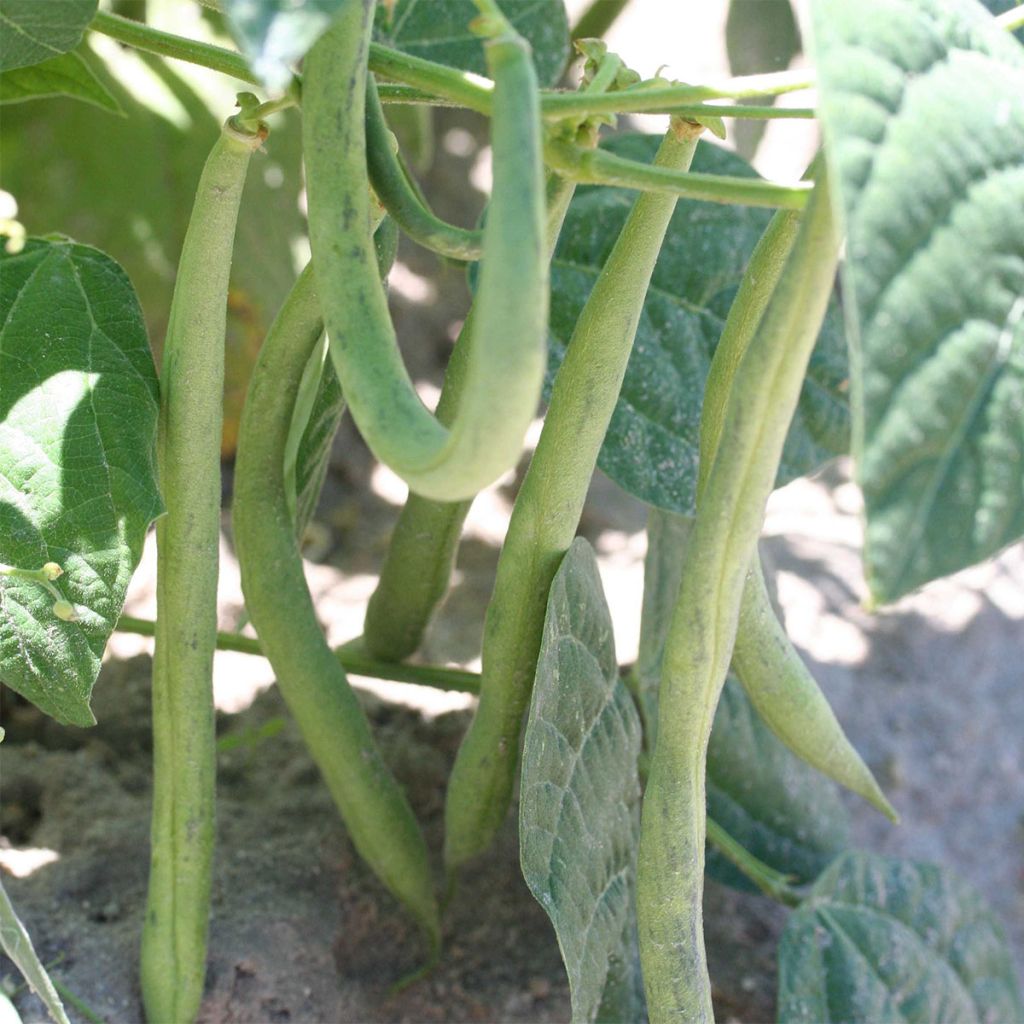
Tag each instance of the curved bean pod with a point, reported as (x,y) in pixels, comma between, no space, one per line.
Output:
(700,640)
(506,368)
(173,957)
(313,683)
(421,554)
(547,512)
(388,177)
(769,667)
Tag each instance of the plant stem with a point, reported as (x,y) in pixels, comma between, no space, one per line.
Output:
(350,655)
(771,882)
(546,514)
(174,936)
(166,44)
(599,167)
(462,87)
(598,18)
(703,629)
(1012,19)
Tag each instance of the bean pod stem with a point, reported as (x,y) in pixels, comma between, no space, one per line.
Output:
(173,958)
(700,639)
(311,679)
(769,668)
(506,368)
(547,512)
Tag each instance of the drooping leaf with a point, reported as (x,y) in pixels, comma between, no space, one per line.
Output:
(66,75)
(17,944)
(78,413)
(579,814)
(438,30)
(881,939)
(651,448)
(934,278)
(276,34)
(785,813)
(32,31)
(760,35)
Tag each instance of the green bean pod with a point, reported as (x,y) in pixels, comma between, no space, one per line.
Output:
(770,669)
(700,640)
(506,367)
(389,180)
(547,513)
(313,683)
(173,957)
(421,555)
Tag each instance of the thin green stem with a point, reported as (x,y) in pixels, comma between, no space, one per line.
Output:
(1012,19)
(166,44)
(595,21)
(351,656)
(462,87)
(599,167)
(771,882)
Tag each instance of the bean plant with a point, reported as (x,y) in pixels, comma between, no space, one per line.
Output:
(675,319)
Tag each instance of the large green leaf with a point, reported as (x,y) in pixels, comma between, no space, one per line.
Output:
(439,30)
(651,448)
(78,413)
(32,31)
(579,813)
(66,75)
(881,939)
(785,813)
(276,34)
(934,275)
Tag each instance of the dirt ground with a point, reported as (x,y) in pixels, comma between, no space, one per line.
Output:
(931,691)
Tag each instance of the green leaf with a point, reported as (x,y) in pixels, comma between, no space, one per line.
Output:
(881,939)
(66,75)
(785,813)
(32,31)
(438,30)
(276,34)
(17,944)
(760,35)
(651,448)
(78,415)
(581,796)
(934,280)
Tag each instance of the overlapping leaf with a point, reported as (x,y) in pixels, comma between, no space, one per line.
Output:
(438,30)
(651,448)
(934,275)
(78,413)
(579,816)
(881,939)
(66,75)
(32,31)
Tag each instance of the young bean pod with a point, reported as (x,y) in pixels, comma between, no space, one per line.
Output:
(506,367)
(313,683)
(389,180)
(421,555)
(547,512)
(770,669)
(700,639)
(173,959)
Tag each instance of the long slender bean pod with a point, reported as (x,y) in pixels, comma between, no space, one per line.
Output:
(547,512)
(770,669)
(421,555)
(506,367)
(389,181)
(173,959)
(313,683)
(700,640)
